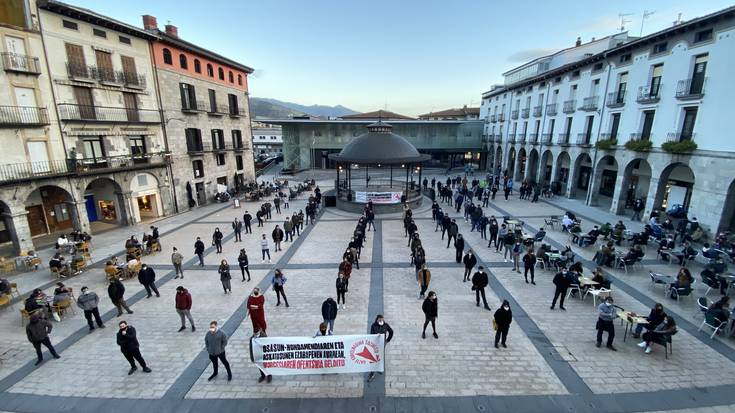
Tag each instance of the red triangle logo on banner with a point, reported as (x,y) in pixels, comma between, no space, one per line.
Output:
(366,354)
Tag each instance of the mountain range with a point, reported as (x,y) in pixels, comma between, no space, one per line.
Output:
(274,108)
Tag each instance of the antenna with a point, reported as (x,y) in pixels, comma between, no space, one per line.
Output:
(646,14)
(623,20)
(678,20)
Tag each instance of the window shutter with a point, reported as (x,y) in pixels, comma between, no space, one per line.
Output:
(184,102)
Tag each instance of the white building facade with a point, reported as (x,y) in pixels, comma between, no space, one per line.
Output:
(267,140)
(622,118)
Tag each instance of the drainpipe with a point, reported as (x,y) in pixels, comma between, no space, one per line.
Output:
(588,198)
(541,130)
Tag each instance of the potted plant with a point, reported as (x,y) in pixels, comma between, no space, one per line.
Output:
(677,147)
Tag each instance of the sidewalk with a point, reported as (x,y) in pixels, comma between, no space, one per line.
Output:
(594,214)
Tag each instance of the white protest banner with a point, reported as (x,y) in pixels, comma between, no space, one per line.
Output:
(378,197)
(282,356)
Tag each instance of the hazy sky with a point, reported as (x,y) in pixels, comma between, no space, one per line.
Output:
(408,56)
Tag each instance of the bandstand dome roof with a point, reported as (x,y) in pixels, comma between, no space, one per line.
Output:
(379,145)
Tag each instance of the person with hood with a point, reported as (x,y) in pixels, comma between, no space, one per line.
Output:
(224,276)
(380,327)
(469,261)
(424,278)
(278,281)
(242,260)
(116,292)
(277,235)
(37,332)
(341,285)
(127,339)
(459,248)
(176,260)
(217,239)
(215,341)
(430,307)
(256,309)
(147,277)
(89,302)
(480,280)
(199,251)
(183,307)
(329,313)
(503,317)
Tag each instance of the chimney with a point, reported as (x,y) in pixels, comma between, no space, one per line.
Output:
(172,30)
(149,22)
(579,42)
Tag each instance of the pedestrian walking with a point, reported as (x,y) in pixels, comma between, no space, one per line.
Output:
(116,292)
(341,285)
(37,332)
(606,315)
(237,227)
(329,313)
(288,229)
(127,339)
(277,204)
(430,307)
(246,220)
(215,341)
(89,302)
(242,260)
(469,261)
(501,321)
(147,277)
(529,265)
(480,280)
(183,307)
(199,251)
(256,309)
(459,248)
(561,282)
(424,279)
(452,231)
(264,248)
(217,240)
(516,254)
(380,327)
(177,259)
(278,282)
(277,235)
(224,276)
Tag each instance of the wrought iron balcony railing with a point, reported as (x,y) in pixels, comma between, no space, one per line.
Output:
(590,103)
(13,62)
(547,138)
(648,94)
(584,139)
(23,115)
(514,114)
(570,106)
(537,110)
(615,99)
(525,112)
(73,112)
(563,139)
(689,89)
(194,107)
(551,109)
(533,138)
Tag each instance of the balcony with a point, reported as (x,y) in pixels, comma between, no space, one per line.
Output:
(533,138)
(23,116)
(133,80)
(584,139)
(570,106)
(639,137)
(690,89)
(236,113)
(27,171)
(514,114)
(21,63)
(525,112)
(217,110)
(522,138)
(590,104)
(639,142)
(493,119)
(551,109)
(679,143)
(537,110)
(563,139)
(498,138)
(88,166)
(501,117)
(83,113)
(110,77)
(193,107)
(615,100)
(647,94)
(511,138)
(81,72)
(547,138)
(680,136)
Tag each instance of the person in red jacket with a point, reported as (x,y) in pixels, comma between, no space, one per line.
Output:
(345,267)
(183,307)
(256,308)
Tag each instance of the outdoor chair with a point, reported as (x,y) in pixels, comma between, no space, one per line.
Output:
(540,262)
(678,292)
(63,305)
(711,283)
(598,293)
(573,288)
(703,306)
(5,301)
(665,341)
(712,322)
(14,290)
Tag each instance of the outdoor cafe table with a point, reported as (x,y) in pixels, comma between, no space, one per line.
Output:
(631,318)
(587,282)
(511,223)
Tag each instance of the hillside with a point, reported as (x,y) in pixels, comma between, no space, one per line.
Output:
(260,108)
(323,111)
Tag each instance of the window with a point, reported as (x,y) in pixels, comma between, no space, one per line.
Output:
(221,73)
(193,140)
(575,74)
(167,59)
(183,62)
(237,138)
(99,33)
(597,67)
(232,100)
(197,66)
(231,77)
(188,96)
(198,167)
(588,129)
(703,36)
(647,124)
(615,124)
(212,101)
(137,146)
(93,149)
(626,58)
(13,13)
(660,47)
(700,68)
(218,139)
(70,25)
(220,157)
(238,162)
(239,80)
(687,128)
(210,70)
(124,40)
(658,71)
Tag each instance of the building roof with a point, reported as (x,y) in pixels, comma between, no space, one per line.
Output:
(90,16)
(463,111)
(379,145)
(376,115)
(191,47)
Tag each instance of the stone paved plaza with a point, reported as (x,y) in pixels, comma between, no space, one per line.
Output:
(551,363)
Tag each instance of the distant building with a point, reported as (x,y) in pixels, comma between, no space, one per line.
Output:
(375,115)
(463,113)
(267,139)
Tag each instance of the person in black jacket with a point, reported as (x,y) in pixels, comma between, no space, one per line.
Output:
(199,251)
(503,317)
(341,285)
(493,232)
(37,332)
(380,327)
(237,227)
(242,259)
(529,265)
(446,222)
(459,247)
(128,342)
(246,219)
(469,261)
(561,281)
(430,307)
(116,291)
(479,282)
(329,313)
(277,236)
(217,240)
(147,277)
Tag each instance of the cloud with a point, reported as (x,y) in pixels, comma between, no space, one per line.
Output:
(257,73)
(530,54)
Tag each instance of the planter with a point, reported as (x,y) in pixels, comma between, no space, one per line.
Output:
(638,145)
(679,147)
(606,144)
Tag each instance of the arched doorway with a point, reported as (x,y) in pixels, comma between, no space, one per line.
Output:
(532,165)
(636,183)
(727,219)
(521,169)
(510,167)
(8,238)
(561,178)
(104,204)
(547,163)
(606,174)
(50,209)
(581,180)
(498,160)
(147,204)
(674,186)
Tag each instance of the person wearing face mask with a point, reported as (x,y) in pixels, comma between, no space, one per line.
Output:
(479,282)
(667,326)
(116,292)
(469,262)
(380,327)
(224,276)
(278,281)
(147,277)
(503,317)
(127,339)
(256,308)
(459,248)
(430,307)
(88,302)
(341,285)
(217,240)
(654,319)
(183,307)
(215,341)
(606,315)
